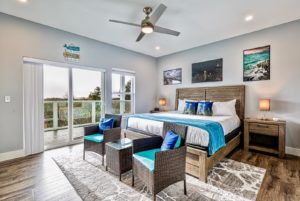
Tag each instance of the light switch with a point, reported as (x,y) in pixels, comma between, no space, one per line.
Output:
(7,99)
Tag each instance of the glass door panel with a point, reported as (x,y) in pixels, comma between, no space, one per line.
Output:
(128,89)
(87,96)
(56,94)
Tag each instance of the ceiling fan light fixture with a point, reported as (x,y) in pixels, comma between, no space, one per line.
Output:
(147,30)
(147,27)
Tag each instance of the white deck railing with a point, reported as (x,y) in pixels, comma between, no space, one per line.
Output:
(85,112)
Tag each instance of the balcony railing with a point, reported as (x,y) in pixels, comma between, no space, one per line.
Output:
(85,112)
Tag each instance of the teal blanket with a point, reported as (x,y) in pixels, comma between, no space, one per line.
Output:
(214,129)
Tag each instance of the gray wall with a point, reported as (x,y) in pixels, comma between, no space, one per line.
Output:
(20,38)
(283,88)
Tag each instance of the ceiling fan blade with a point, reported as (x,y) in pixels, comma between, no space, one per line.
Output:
(165,31)
(157,13)
(127,23)
(140,37)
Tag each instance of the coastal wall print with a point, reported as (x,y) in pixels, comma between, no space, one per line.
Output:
(173,76)
(257,64)
(71,53)
(208,71)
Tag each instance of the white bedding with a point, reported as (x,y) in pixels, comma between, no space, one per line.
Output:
(195,135)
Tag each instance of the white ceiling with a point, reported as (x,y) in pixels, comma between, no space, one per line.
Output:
(199,21)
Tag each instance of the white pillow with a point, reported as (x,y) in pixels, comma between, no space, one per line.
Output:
(224,108)
(188,100)
(181,105)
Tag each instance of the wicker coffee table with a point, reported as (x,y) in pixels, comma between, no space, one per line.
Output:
(119,156)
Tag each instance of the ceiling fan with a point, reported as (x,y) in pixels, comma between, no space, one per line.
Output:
(148,24)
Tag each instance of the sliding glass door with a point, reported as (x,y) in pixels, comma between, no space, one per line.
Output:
(87,96)
(72,99)
(56,113)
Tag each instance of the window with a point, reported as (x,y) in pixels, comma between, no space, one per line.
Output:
(123,92)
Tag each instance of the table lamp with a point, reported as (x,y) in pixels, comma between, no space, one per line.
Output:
(161,102)
(264,105)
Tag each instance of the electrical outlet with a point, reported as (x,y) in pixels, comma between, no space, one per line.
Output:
(7,99)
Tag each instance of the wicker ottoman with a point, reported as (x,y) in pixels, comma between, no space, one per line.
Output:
(119,156)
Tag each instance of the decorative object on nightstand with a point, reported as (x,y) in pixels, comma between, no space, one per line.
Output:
(162,102)
(265,135)
(264,106)
(157,111)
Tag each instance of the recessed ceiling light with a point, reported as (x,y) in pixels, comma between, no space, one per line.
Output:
(23,1)
(248,18)
(157,48)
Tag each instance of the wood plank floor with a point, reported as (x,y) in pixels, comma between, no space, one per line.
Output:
(38,177)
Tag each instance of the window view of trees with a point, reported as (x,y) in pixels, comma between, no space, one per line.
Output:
(56,110)
(122,94)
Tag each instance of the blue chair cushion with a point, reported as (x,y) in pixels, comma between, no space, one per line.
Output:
(190,107)
(106,124)
(170,140)
(95,138)
(147,158)
(205,108)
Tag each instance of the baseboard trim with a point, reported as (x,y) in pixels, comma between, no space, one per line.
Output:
(292,151)
(11,155)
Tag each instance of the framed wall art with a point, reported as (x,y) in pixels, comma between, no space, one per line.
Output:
(208,71)
(173,76)
(256,64)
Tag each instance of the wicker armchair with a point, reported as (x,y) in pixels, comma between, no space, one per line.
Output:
(108,136)
(169,166)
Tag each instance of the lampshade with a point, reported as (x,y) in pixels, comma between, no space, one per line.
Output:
(264,104)
(162,102)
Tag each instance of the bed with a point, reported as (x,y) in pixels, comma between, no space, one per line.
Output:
(198,162)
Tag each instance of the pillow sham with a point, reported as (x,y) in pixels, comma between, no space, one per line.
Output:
(190,107)
(181,105)
(224,108)
(205,108)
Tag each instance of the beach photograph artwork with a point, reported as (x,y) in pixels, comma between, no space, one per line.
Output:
(173,76)
(257,64)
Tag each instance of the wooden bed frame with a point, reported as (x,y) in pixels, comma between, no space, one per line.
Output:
(198,163)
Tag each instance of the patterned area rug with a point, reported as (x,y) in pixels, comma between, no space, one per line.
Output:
(228,181)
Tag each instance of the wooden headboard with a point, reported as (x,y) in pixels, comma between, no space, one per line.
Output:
(220,93)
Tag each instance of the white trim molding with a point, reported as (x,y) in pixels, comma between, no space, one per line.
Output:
(292,151)
(11,155)
(61,64)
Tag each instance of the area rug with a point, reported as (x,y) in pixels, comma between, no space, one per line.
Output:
(227,181)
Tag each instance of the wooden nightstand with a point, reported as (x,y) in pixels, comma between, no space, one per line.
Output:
(272,133)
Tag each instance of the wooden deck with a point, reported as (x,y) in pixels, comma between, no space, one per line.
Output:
(61,137)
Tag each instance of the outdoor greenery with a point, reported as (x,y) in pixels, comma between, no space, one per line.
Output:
(82,112)
(116,102)
(82,108)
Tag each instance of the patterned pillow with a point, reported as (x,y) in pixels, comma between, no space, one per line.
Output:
(170,141)
(205,108)
(106,124)
(190,107)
